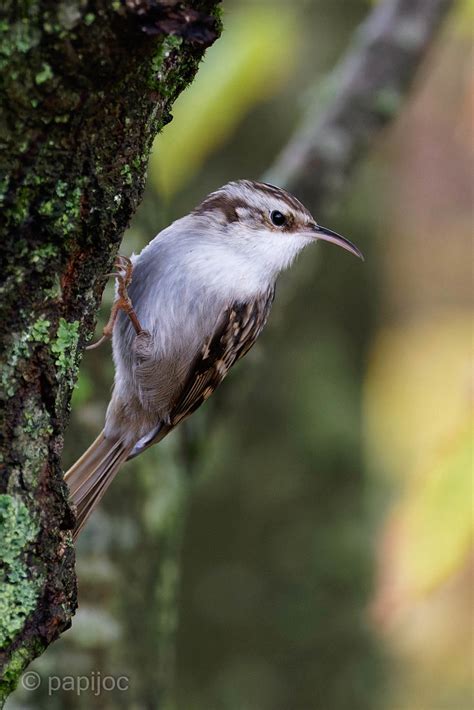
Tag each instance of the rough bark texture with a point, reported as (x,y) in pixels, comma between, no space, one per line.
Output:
(85,87)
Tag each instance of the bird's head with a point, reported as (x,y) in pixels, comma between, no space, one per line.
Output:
(264,222)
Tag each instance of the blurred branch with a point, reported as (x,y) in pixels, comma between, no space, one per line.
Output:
(363,94)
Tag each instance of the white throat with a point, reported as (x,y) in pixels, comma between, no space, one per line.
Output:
(235,266)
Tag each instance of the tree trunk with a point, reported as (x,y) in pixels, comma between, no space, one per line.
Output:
(85,88)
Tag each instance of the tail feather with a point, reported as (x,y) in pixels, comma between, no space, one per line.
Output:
(91,475)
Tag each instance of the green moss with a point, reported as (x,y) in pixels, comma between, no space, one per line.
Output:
(20,37)
(65,349)
(21,209)
(14,668)
(68,207)
(169,44)
(40,331)
(19,585)
(64,206)
(18,661)
(126,173)
(45,74)
(16,528)
(54,292)
(31,441)
(36,424)
(61,188)
(46,208)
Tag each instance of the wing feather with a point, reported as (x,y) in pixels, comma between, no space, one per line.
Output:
(236,332)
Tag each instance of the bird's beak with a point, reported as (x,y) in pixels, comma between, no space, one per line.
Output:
(328,235)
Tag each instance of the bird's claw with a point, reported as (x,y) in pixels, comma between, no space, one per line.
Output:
(123,274)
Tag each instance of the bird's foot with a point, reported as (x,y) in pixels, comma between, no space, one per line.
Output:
(123,274)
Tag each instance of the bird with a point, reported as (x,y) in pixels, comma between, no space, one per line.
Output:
(188,307)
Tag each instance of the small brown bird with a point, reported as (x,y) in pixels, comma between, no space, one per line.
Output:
(202,291)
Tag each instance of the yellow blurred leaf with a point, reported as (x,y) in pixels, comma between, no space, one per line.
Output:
(464,17)
(435,519)
(249,63)
(418,391)
(423,597)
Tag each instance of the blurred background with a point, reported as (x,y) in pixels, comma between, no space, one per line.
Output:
(304,542)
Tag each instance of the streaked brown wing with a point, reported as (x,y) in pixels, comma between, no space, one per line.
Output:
(235,334)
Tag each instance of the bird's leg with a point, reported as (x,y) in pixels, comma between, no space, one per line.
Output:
(123,274)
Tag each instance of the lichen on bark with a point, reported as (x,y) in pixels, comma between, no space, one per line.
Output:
(84,89)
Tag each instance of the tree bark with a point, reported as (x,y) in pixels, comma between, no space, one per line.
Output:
(84,90)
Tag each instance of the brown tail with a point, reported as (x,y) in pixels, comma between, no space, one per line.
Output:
(92,474)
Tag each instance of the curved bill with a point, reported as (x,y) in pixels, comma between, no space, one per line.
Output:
(328,235)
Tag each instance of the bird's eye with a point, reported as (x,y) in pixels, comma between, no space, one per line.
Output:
(278,218)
